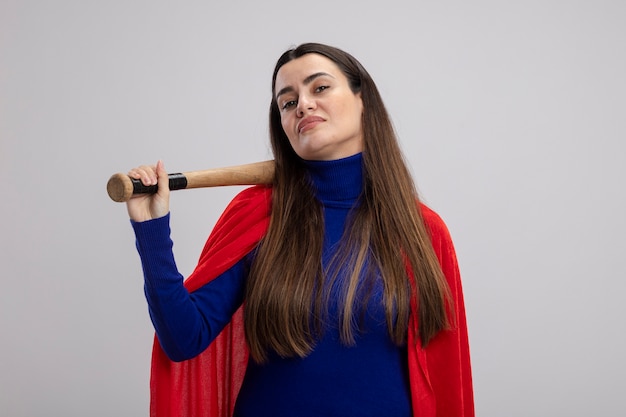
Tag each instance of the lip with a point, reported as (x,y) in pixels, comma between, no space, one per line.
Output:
(308,123)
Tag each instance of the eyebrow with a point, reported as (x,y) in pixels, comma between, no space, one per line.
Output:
(306,81)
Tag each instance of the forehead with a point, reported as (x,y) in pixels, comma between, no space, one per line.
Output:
(294,72)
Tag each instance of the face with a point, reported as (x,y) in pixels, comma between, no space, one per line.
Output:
(319,113)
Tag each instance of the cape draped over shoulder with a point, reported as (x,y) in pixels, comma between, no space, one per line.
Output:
(207,385)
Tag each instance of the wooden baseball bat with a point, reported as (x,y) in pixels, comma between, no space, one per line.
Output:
(121,187)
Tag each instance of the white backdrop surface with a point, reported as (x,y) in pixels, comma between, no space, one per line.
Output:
(512,116)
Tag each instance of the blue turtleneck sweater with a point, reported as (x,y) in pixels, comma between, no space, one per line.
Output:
(367,379)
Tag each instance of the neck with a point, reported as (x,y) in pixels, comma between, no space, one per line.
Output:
(337,180)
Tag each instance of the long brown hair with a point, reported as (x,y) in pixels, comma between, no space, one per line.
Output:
(386,235)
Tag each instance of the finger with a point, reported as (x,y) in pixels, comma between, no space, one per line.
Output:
(145,173)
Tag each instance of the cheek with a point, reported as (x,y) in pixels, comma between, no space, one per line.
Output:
(351,116)
(357,116)
(286,122)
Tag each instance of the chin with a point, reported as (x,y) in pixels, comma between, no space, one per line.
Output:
(312,154)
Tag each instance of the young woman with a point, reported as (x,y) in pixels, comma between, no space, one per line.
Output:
(332,292)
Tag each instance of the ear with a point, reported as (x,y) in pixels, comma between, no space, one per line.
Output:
(360,98)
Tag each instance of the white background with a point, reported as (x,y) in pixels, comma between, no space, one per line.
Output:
(512,115)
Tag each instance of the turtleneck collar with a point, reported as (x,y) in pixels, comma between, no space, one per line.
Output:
(337,181)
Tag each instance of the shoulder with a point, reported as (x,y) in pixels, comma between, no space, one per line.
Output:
(443,246)
(438,232)
(242,224)
(254,193)
(435,224)
(254,198)
(250,206)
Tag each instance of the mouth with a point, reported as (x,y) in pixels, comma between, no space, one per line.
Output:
(309,123)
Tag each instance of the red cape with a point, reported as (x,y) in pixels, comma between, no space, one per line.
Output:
(207,385)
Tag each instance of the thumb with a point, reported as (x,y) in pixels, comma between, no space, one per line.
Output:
(161,201)
(162,177)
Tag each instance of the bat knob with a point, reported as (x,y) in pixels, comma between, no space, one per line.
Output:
(120,187)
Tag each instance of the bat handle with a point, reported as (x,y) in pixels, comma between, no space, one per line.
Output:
(121,187)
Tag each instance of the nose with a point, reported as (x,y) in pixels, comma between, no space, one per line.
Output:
(305,104)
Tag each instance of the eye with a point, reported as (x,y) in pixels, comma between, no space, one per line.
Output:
(288,104)
(321,88)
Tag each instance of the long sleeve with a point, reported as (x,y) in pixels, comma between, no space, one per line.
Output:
(207,385)
(185,323)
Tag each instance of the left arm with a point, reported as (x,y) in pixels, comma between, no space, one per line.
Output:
(448,354)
